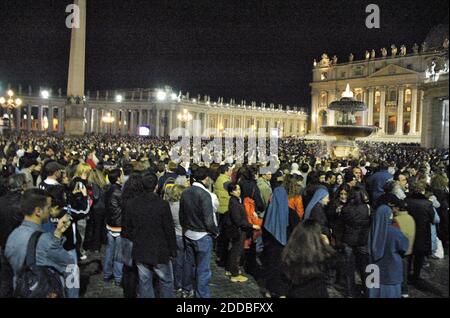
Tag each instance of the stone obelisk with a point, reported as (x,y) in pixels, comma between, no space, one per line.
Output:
(74,124)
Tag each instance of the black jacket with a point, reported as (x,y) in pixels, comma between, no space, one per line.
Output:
(334,216)
(422,212)
(235,220)
(356,221)
(10,215)
(149,225)
(315,287)
(196,211)
(113,205)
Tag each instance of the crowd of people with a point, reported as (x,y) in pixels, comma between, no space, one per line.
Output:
(158,224)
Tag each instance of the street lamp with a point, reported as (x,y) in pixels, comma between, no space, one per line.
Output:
(45,94)
(9,103)
(161,95)
(108,119)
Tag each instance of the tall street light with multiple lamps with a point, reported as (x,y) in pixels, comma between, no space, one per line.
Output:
(9,103)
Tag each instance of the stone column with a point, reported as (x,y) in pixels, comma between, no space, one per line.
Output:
(414,97)
(427,124)
(18,116)
(125,122)
(76,74)
(371,102)
(383,110)
(115,122)
(400,112)
(205,122)
(158,119)
(51,116)
(40,126)
(365,114)
(99,121)
(94,121)
(314,113)
(132,123)
(88,118)
(141,117)
(29,118)
(148,116)
(170,121)
(60,119)
(422,105)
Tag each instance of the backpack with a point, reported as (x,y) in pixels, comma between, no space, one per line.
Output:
(36,281)
(250,209)
(167,186)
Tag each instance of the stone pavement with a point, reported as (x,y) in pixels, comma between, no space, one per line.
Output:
(92,285)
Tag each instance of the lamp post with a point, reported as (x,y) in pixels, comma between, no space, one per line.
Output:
(108,119)
(9,103)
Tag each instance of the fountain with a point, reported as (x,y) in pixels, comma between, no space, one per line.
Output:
(346,130)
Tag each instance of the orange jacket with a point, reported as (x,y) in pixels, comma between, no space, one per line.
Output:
(296,204)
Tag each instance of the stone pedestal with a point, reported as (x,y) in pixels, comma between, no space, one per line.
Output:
(343,149)
(74,123)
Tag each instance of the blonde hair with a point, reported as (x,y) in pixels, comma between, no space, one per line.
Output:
(96,176)
(83,168)
(174,193)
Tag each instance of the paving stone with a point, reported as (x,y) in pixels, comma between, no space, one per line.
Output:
(93,286)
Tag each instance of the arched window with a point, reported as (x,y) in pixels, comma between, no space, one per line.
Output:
(407,100)
(377,103)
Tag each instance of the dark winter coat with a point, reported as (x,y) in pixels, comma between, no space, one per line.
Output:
(356,221)
(10,215)
(422,212)
(150,227)
(235,220)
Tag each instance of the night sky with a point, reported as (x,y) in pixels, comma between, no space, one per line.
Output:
(252,50)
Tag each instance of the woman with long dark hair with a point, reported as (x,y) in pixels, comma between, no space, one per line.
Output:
(334,216)
(305,259)
(334,213)
(131,189)
(293,186)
